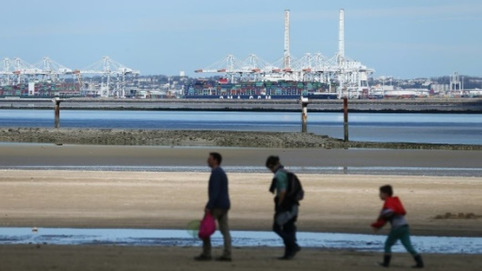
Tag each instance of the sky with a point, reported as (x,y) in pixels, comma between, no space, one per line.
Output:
(402,39)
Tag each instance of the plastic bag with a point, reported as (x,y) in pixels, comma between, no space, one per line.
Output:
(207,227)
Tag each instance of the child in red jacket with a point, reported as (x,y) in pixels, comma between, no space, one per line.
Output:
(394,213)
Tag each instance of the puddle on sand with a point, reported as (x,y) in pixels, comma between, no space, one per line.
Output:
(149,237)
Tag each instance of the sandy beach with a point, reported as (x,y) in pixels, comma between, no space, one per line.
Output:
(334,203)
(436,205)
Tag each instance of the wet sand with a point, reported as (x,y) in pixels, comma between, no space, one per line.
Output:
(80,258)
(52,156)
(123,199)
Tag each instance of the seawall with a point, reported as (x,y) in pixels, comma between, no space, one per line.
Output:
(452,105)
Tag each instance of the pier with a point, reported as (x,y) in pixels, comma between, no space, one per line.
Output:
(453,105)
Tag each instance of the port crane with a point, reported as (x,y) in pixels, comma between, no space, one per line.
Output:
(18,71)
(114,75)
(350,76)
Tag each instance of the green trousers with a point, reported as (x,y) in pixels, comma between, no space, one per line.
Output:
(403,234)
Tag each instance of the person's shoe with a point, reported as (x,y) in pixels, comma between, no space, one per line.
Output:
(224,259)
(202,257)
(297,249)
(290,255)
(294,252)
(386,260)
(418,261)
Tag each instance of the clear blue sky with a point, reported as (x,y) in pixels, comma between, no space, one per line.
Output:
(404,39)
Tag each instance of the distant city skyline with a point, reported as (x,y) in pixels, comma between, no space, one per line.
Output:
(409,39)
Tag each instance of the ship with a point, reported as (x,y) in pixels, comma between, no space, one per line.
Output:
(282,89)
(40,89)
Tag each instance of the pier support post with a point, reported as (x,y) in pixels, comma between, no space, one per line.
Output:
(345,118)
(57,101)
(304,114)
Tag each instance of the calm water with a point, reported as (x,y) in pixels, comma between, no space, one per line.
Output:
(375,127)
(146,237)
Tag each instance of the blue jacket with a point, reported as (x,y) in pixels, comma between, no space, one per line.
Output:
(218,190)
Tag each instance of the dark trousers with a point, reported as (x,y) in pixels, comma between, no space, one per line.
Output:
(287,232)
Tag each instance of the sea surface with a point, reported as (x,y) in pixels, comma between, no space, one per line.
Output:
(188,238)
(373,127)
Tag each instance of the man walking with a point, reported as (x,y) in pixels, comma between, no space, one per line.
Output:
(286,211)
(218,205)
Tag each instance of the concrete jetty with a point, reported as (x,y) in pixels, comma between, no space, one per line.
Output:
(449,105)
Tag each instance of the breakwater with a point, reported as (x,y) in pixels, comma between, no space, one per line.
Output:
(462,105)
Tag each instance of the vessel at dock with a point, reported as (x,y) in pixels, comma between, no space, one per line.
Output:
(222,89)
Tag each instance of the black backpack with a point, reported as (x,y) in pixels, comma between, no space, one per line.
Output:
(294,191)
